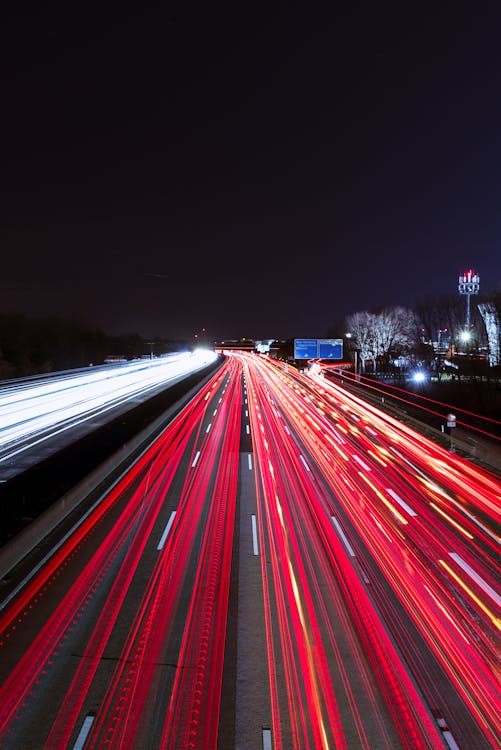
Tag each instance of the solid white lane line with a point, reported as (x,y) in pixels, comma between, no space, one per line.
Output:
(197,456)
(166,530)
(255,548)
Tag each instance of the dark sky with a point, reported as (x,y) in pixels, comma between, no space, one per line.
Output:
(257,172)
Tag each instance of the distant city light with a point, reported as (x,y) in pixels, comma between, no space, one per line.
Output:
(419,376)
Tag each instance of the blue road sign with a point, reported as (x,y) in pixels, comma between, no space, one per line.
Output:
(305,348)
(330,348)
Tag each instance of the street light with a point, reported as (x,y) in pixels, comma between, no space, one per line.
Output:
(419,376)
(465,336)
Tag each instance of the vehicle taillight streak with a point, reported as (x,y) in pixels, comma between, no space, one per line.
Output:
(290,508)
(414,544)
(373,578)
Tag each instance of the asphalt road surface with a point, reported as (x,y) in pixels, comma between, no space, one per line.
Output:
(283,567)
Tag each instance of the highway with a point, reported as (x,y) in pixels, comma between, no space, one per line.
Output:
(42,414)
(283,567)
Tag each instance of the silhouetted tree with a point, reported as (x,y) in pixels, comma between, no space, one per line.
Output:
(393,331)
(41,345)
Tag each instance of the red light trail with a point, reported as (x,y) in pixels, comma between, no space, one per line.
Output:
(379,569)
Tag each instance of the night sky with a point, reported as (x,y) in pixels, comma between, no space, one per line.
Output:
(260,172)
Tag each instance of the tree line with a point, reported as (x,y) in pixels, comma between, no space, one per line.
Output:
(397,332)
(33,346)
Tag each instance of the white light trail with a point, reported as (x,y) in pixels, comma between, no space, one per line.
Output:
(36,411)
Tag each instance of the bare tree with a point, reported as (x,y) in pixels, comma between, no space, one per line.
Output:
(361,327)
(393,330)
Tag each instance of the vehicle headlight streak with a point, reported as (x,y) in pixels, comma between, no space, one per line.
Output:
(61,622)
(37,412)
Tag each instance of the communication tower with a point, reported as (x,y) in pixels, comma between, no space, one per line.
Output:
(469,283)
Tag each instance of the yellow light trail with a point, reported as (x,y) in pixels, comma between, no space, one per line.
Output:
(452,522)
(479,602)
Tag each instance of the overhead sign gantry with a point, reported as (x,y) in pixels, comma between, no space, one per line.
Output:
(318,348)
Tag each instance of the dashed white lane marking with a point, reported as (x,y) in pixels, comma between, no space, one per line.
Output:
(447,735)
(401,502)
(480,581)
(166,530)
(304,462)
(255,548)
(343,537)
(267,739)
(362,463)
(84,732)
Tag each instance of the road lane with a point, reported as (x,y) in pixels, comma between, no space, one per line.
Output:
(311,643)
(126,594)
(366,598)
(403,555)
